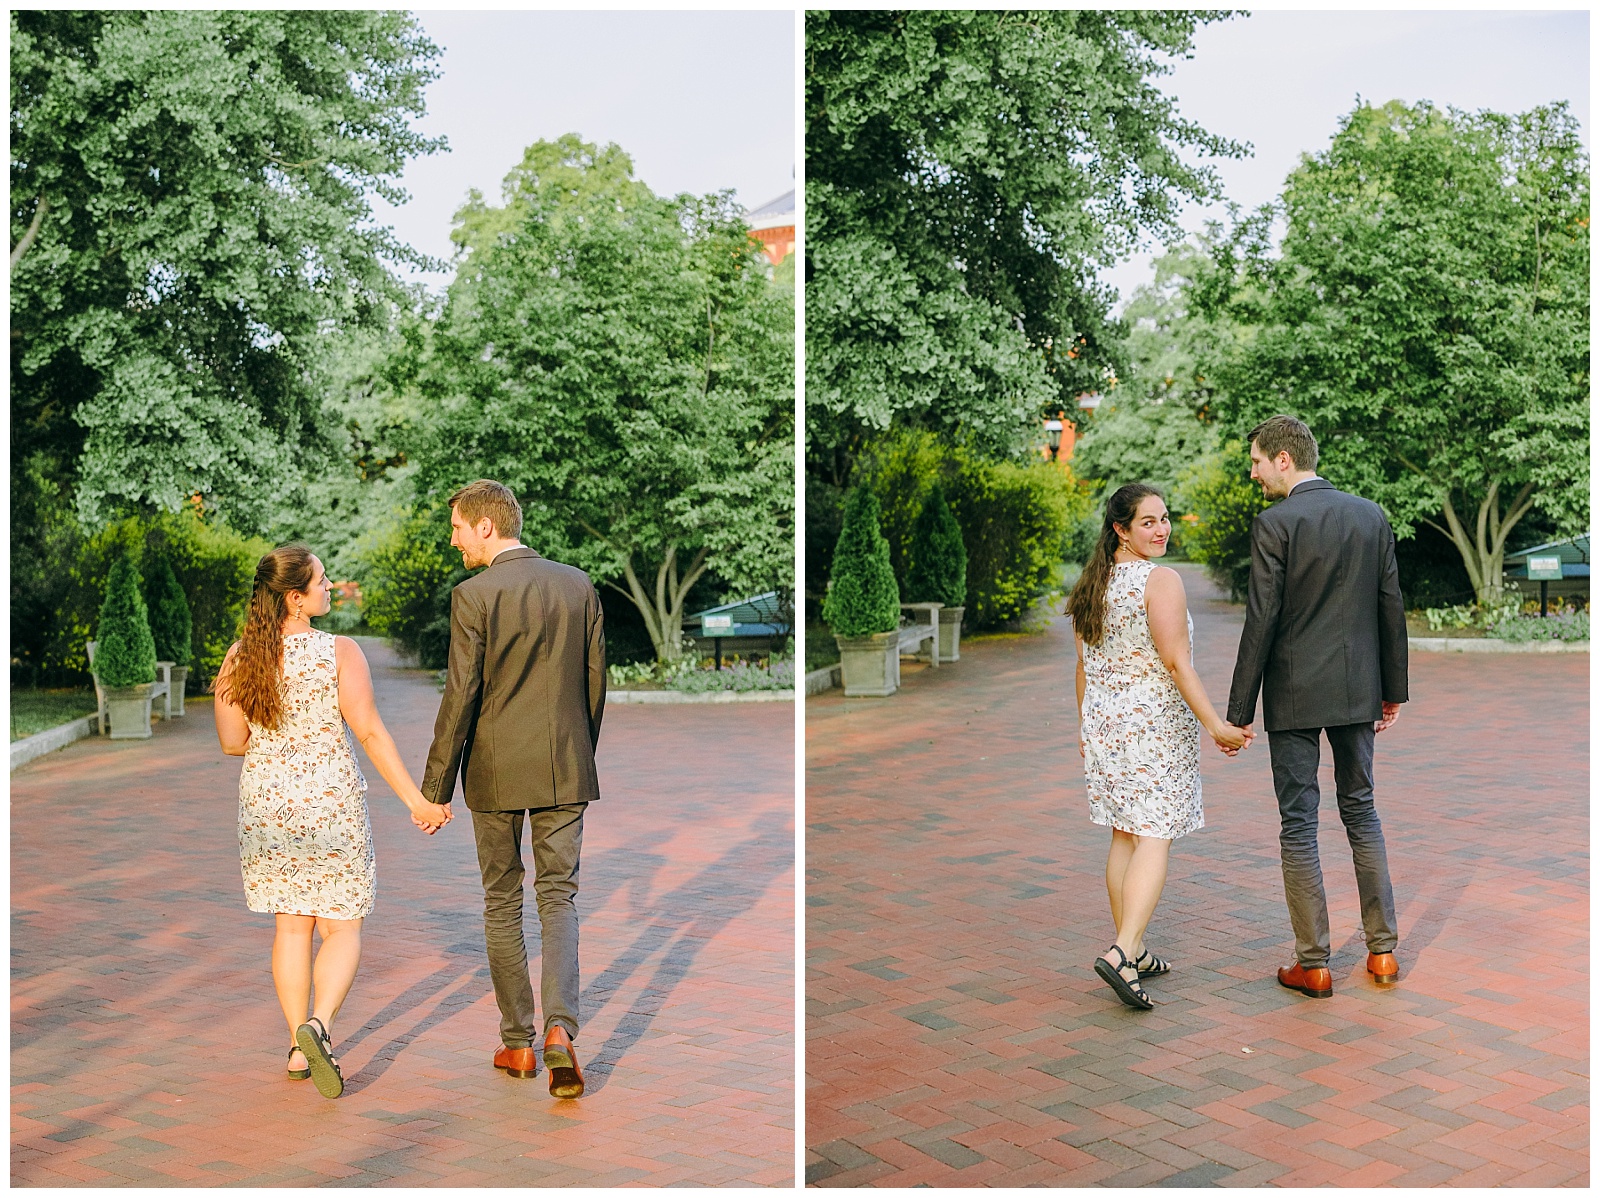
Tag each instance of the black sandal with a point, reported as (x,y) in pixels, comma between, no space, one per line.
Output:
(298,1075)
(318,1047)
(1151,966)
(1128,990)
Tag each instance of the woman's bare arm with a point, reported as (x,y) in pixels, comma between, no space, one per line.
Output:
(233,730)
(1167,611)
(359,707)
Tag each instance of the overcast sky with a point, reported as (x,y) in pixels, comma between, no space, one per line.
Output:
(701,100)
(1281,80)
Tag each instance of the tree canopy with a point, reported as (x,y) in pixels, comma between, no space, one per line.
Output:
(189,224)
(624,364)
(966,172)
(1428,317)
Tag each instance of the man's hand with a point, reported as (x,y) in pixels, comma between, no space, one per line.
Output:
(1391,713)
(430,821)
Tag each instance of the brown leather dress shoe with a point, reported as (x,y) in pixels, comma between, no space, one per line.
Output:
(1383,968)
(1314,983)
(566,1079)
(518,1062)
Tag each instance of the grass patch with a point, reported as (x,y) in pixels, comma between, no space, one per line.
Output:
(34,711)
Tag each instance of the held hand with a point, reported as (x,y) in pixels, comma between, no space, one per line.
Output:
(1231,738)
(430,817)
(1391,713)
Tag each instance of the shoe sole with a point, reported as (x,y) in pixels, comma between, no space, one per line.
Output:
(564,1079)
(1306,990)
(506,1069)
(324,1073)
(1118,983)
(1385,979)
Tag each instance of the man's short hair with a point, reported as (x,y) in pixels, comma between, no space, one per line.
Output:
(1279,433)
(494,500)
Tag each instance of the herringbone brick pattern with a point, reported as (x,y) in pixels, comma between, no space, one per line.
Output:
(958,1036)
(146,1038)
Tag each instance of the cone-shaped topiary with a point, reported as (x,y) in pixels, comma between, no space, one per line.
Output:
(938,572)
(170,621)
(863,598)
(126,653)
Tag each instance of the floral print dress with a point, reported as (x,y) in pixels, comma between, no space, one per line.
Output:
(1141,741)
(305,842)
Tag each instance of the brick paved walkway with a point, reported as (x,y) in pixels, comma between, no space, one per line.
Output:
(956,1033)
(145,1034)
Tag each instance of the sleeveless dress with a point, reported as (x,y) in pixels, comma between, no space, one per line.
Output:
(1141,741)
(305,843)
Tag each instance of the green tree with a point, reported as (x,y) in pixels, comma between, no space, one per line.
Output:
(1155,422)
(863,597)
(1428,317)
(1216,490)
(623,363)
(171,623)
(966,173)
(190,228)
(938,572)
(125,652)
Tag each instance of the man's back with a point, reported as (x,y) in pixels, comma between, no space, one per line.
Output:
(526,690)
(1325,635)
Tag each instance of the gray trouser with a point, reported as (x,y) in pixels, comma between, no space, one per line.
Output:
(1295,756)
(557,835)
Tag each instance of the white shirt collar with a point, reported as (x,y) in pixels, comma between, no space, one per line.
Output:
(1315,478)
(507,549)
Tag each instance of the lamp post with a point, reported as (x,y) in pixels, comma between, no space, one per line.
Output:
(1052,435)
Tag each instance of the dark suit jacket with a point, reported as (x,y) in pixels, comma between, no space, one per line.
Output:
(527,687)
(1325,630)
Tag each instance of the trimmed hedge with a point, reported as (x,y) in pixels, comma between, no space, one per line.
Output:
(1218,490)
(126,652)
(863,598)
(938,572)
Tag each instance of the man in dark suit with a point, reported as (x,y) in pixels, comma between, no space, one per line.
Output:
(519,721)
(1325,644)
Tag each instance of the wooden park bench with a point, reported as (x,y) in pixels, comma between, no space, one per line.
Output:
(913,634)
(161,690)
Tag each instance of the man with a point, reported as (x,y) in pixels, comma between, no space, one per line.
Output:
(519,720)
(1325,643)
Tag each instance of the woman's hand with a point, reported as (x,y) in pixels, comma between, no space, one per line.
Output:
(1231,738)
(430,817)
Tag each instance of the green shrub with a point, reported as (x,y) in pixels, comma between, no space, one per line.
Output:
(126,652)
(863,597)
(216,568)
(1560,626)
(938,572)
(406,580)
(171,623)
(1218,490)
(1016,520)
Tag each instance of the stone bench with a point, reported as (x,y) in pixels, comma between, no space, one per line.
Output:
(162,689)
(912,635)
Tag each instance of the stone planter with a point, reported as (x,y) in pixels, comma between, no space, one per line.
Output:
(871,664)
(950,633)
(180,681)
(129,707)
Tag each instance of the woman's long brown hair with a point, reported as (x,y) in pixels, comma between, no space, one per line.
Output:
(1087,603)
(254,683)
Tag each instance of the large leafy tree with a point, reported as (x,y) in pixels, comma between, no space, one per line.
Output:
(1428,316)
(623,362)
(189,229)
(966,174)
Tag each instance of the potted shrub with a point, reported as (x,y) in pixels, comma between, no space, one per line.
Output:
(171,626)
(125,657)
(938,572)
(863,601)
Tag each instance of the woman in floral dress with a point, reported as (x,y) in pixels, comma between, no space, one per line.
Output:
(288,698)
(1141,707)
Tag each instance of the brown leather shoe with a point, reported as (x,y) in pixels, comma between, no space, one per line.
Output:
(518,1062)
(566,1079)
(1383,968)
(1314,983)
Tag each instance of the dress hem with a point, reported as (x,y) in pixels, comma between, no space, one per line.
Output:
(1136,832)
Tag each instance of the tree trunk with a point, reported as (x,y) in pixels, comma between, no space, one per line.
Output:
(663,609)
(1483,549)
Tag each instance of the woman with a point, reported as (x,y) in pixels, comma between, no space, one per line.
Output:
(1138,699)
(287,699)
